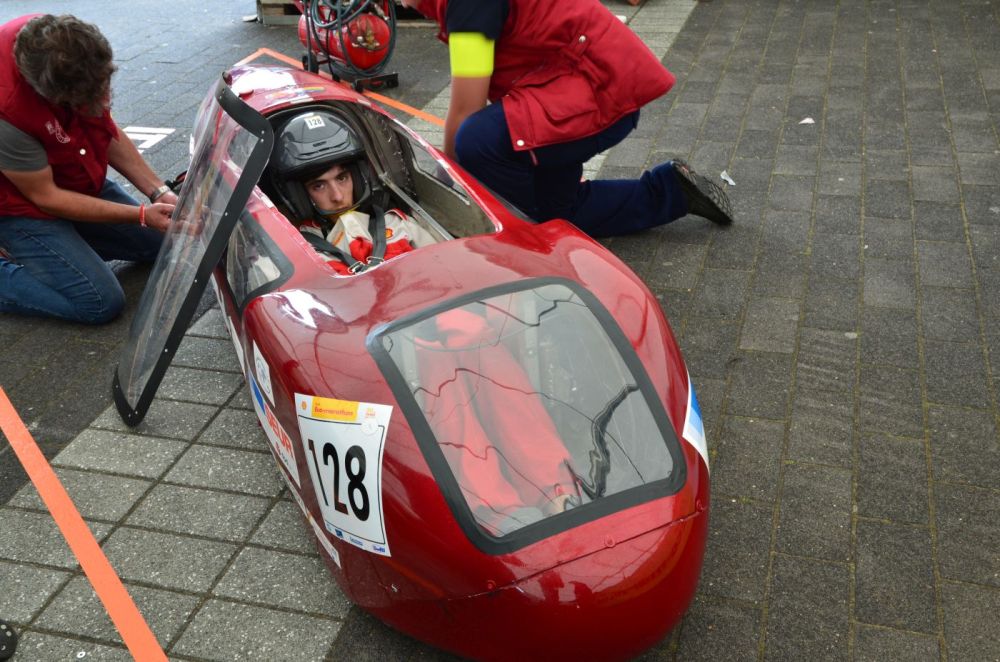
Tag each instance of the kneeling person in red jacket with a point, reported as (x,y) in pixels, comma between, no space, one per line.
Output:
(61,218)
(539,88)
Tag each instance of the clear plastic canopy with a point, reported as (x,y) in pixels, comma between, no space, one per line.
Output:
(231,146)
(532,405)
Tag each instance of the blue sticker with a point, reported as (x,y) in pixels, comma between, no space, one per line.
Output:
(696,419)
(256,392)
(694,427)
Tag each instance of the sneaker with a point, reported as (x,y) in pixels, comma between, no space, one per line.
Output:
(705,198)
(8,641)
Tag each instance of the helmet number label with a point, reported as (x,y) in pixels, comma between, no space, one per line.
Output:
(315,122)
(343,443)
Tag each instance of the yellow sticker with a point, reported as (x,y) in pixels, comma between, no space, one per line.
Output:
(334,410)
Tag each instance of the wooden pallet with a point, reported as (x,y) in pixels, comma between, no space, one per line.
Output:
(277,12)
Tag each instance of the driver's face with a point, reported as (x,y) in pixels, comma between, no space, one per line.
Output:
(332,190)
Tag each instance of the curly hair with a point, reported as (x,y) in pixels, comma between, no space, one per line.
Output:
(66,60)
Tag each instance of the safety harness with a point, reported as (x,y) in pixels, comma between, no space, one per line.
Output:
(376,228)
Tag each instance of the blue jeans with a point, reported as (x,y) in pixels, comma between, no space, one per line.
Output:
(545,183)
(58,268)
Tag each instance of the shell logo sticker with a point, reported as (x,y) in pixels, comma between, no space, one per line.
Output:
(334,410)
(388,233)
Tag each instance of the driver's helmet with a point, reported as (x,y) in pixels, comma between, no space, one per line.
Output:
(308,145)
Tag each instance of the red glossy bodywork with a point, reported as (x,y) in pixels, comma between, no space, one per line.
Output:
(607,589)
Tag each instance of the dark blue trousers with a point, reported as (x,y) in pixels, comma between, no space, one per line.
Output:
(545,183)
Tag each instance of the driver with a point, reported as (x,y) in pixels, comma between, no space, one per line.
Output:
(327,184)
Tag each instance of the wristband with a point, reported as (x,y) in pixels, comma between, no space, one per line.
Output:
(142,216)
(159,191)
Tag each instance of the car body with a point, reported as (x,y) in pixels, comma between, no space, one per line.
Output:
(493,438)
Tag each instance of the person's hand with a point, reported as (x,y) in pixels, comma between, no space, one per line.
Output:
(169,197)
(158,215)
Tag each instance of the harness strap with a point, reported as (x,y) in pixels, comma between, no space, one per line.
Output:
(376,228)
(322,245)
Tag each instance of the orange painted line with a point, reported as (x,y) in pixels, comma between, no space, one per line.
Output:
(276,55)
(399,105)
(392,103)
(253,56)
(124,614)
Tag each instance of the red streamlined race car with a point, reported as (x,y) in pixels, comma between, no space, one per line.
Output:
(492,434)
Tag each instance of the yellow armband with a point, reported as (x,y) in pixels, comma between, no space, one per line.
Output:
(471,54)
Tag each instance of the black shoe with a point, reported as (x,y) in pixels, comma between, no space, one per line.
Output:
(8,640)
(705,198)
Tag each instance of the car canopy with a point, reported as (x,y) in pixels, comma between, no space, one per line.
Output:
(232,143)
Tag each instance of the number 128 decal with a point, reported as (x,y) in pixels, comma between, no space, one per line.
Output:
(343,443)
(355,458)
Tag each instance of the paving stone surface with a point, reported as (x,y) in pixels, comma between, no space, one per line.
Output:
(77,611)
(843,336)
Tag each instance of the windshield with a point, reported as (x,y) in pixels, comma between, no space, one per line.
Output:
(231,144)
(443,198)
(532,406)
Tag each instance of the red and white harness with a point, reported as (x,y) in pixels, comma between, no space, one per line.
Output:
(356,250)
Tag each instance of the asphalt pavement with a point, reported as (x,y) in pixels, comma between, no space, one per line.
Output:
(843,336)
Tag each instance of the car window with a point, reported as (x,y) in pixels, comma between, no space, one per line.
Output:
(438,194)
(254,264)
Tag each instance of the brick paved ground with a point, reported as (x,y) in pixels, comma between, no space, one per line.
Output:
(843,337)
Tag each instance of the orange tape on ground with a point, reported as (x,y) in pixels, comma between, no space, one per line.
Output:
(392,103)
(122,610)
(256,54)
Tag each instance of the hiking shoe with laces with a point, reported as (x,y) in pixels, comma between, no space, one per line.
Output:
(705,198)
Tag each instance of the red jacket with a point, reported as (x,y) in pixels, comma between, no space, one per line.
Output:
(76,145)
(566,69)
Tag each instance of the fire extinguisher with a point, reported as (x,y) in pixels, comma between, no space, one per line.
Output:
(354,38)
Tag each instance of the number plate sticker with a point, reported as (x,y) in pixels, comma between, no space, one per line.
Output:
(343,443)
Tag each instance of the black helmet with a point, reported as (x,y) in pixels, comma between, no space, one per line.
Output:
(308,145)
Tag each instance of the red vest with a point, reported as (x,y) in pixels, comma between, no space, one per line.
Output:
(76,145)
(566,69)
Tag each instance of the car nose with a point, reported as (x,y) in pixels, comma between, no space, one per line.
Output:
(638,589)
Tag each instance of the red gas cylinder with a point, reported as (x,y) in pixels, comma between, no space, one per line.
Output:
(366,38)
